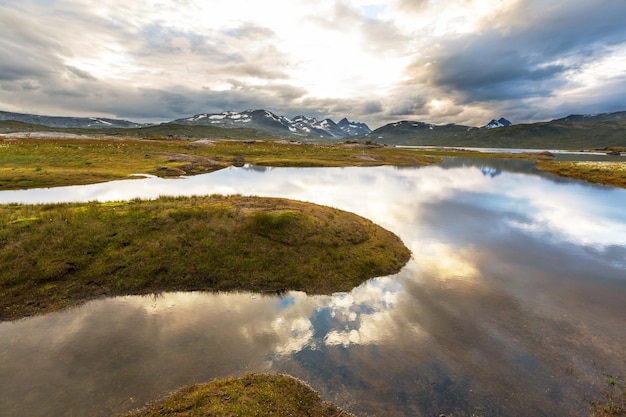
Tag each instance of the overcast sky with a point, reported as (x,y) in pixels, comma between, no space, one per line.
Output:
(438,61)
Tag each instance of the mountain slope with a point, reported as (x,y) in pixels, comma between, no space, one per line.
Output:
(416,133)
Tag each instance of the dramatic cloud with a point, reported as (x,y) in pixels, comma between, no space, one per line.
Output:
(441,61)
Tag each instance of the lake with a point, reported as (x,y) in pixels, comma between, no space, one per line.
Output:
(513,303)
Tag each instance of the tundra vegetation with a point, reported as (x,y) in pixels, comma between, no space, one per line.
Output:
(612,402)
(251,395)
(33,163)
(601,172)
(51,162)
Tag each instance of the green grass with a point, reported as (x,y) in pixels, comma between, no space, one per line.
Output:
(251,395)
(601,172)
(613,401)
(56,255)
(31,163)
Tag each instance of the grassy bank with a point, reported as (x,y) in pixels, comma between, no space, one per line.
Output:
(32,163)
(252,395)
(604,172)
(57,255)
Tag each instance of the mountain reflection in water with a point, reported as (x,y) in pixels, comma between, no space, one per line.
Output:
(513,303)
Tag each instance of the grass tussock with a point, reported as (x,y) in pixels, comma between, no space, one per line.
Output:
(57,255)
(252,395)
(613,401)
(601,172)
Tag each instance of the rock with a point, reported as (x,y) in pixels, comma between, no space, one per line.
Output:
(169,171)
(202,142)
(238,161)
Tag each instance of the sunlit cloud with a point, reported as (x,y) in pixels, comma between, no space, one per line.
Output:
(461,61)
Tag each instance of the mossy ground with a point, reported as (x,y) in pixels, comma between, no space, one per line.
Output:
(56,255)
(32,163)
(252,395)
(613,399)
(601,172)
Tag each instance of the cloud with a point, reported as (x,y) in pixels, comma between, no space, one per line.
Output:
(250,31)
(411,6)
(462,61)
(18,62)
(406,105)
(514,61)
(374,35)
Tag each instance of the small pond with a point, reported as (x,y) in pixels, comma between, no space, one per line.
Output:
(512,305)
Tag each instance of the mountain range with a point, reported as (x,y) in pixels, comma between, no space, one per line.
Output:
(261,120)
(266,121)
(570,132)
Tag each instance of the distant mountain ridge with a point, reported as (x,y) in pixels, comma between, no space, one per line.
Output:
(571,132)
(594,118)
(264,120)
(407,127)
(69,122)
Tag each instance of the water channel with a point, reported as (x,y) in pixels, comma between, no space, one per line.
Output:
(513,303)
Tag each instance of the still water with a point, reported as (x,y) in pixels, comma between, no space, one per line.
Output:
(513,304)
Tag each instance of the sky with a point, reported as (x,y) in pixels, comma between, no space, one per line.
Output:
(373,61)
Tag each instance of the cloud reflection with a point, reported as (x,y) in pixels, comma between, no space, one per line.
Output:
(74,361)
(515,278)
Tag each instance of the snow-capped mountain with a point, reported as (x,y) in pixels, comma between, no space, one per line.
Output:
(501,122)
(353,128)
(299,126)
(310,125)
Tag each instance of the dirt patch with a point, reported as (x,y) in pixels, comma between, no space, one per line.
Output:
(369,157)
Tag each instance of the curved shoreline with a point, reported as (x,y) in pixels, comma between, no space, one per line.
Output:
(251,395)
(58,255)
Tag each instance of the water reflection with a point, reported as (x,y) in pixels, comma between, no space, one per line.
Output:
(512,303)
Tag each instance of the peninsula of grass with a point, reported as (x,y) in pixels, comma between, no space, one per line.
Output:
(601,172)
(52,162)
(57,255)
(251,395)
